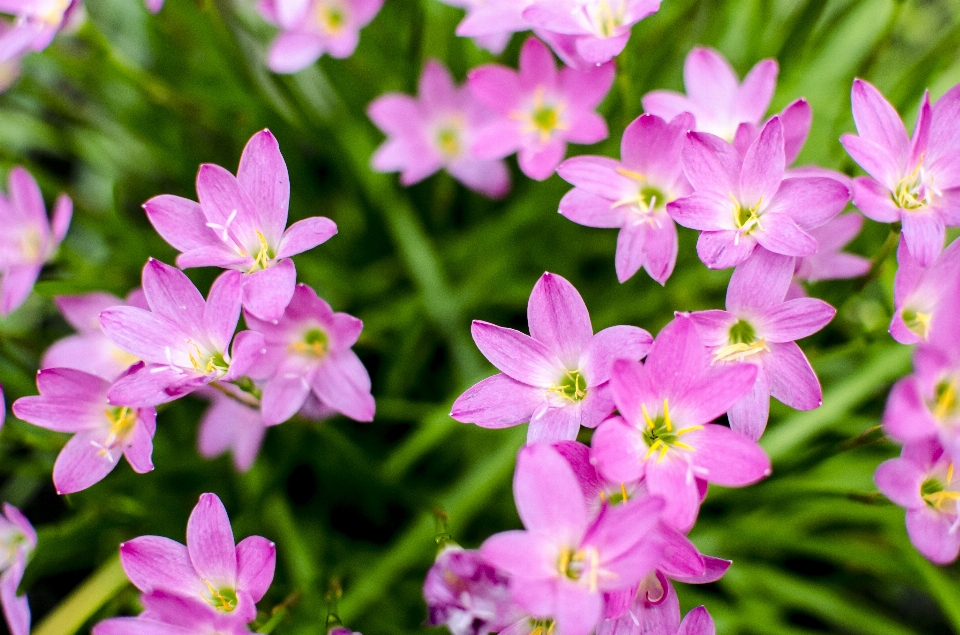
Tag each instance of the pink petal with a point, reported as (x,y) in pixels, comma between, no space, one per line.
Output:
(180,222)
(706,211)
(222,310)
(15,287)
(796,319)
(874,200)
(496,86)
(81,463)
(16,609)
(305,234)
(760,283)
(60,221)
(171,295)
(763,165)
(900,481)
(227,204)
(727,458)
(267,293)
(284,394)
(756,91)
(578,610)
(82,312)
(924,234)
(697,622)
(590,210)
(677,358)
(723,249)
(210,542)
(547,494)
(556,423)
(520,552)
(673,480)
(558,318)
(263,176)
(617,450)
(875,159)
(293,51)
(711,164)
(597,175)
(26,196)
(394,113)
(609,345)
(256,560)
(343,384)
(247,350)
(152,562)
(586,89)
(878,121)
(660,249)
(435,88)
(488,177)
(539,161)
(537,66)
(931,533)
(780,234)
(520,356)
(498,402)
(143,334)
(666,104)
(810,202)
(714,392)
(749,415)
(497,139)
(709,80)
(796,119)
(792,380)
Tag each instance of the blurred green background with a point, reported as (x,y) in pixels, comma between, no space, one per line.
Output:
(129,105)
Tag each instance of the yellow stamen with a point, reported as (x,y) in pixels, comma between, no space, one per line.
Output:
(739,350)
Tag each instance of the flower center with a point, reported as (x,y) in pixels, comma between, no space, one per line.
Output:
(542,627)
(660,435)
(743,343)
(264,254)
(9,545)
(935,493)
(314,344)
(331,19)
(224,599)
(945,403)
(616,497)
(207,363)
(121,421)
(746,219)
(543,118)
(605,18)
(917,321)
(577,564)
(572,386)
(448,142)
(916,189)
(645,201)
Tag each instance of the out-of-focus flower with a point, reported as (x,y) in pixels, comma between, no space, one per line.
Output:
(563,563)
(436,131)
(29,238)
(539,109)
(311,28)
(35,24)
(759,328)
(923,481)
(183,340)
(740,202)
(214,581)
(921,296)
(632,194)
(89,349)
(830,262)
(154,5)
(556,377)
(915,181)
(167,613)
(596,30)
(664,432)
(467,595)
(342,630)
(231,426)
(491,22)
(715,96)
(74,401)
(17,541)
(309,350)
(241,224)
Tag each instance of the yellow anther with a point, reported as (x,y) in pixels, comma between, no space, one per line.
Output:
(331,19)
(739,351)
(666,416)
(946,403)
(263,257)
(623,491)
(543,118)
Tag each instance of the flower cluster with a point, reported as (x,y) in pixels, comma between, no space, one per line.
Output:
(166,341)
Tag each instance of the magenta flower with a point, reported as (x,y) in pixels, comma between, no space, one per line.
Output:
(491,22)
(467,595)
(153,6)
(17,542)
(759,328)
(311,28)
(563,563)
(829,262)
(436,131)
(656,611)
(632,194)
(914,181)
(555,378)
(29,238)
(74,401)
(211,576)
(740,202)
(539,109)
(664,432)
(309,350)
(922,480)
(920,297)
(171,614)
(182,339)
(239,224)
(715,96)
(35,25)
(598,30)
(231,426)
(89,349)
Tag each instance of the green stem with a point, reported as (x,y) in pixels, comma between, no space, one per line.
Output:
(889,245)
(103,585)
(274,620)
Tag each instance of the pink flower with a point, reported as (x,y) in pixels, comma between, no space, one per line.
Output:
(914,181)
(555,378)
(208,584)
(311,28)
(632,194)
(759,328)
(35,25)
(29,238)
(563,563)
(829,262)
(740,202)
(656,611)
(715,97)
(154,5)
(17,541)
(467,595)
(74,401)
(89,349)
(597,30)
(539,109)
(491,22)
(309,350)
(231,426)
(436,131)
(664,434)
(921,299)
(240,224)
(923,481)
(182,339)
